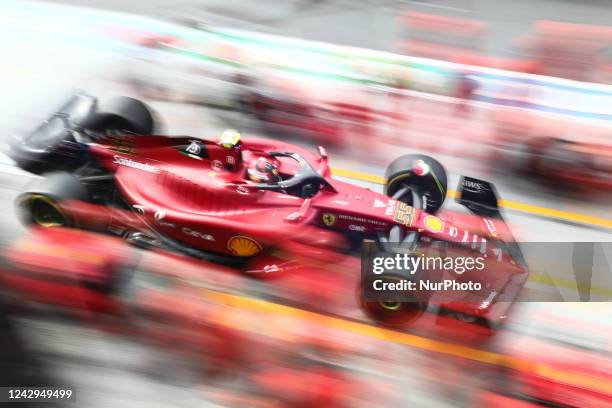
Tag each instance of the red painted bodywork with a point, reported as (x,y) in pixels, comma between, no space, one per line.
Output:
(206,202)
(206,197)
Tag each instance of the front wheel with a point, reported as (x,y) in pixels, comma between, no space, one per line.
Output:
(419,173)
(396,309)
(394,313)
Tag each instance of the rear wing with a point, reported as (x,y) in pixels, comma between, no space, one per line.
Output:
(478,196)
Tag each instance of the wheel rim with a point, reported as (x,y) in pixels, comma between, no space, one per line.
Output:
(393,313)
(390,305)
(45,212)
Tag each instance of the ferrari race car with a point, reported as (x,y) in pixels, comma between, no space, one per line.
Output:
(104,169)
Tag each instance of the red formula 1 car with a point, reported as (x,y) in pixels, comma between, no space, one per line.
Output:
(194,196)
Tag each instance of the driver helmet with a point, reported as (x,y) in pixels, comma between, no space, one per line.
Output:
(263,171)
(230,139)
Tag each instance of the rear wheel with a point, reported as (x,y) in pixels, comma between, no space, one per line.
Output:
(45,212)
(41,204)
(123,114)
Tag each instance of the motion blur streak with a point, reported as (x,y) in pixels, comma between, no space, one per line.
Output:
(512,205)
(138,293)
(601,384)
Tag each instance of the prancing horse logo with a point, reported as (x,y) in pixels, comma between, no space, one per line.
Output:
(329,219)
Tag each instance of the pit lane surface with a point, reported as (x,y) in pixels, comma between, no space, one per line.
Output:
(113,372)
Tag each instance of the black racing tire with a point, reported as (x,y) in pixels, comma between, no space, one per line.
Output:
(123,114)
(396,311)
(393,314)
(40,204)
(432,185)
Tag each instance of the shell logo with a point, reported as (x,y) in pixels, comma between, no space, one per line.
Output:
(240,245)
(433,224)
